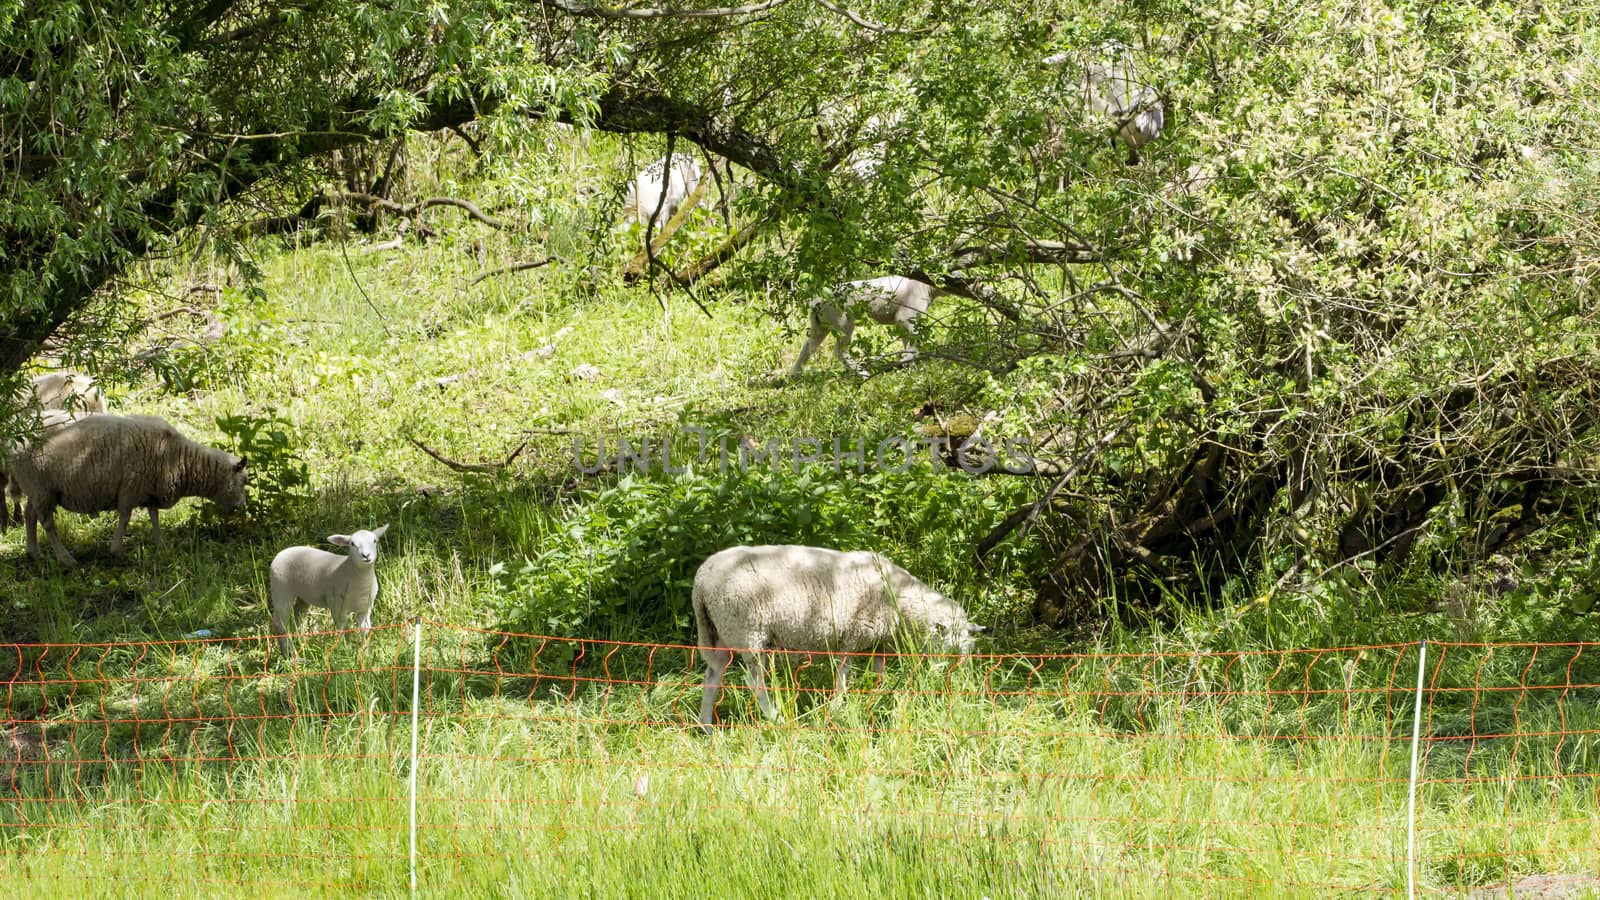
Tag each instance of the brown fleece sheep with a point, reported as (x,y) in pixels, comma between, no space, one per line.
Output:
(104,462)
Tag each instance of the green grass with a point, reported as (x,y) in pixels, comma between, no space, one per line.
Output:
(1076,776)
(214,770)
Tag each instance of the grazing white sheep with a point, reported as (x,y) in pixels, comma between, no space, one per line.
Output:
(645,192)
(104,461)
(344,584)
(1112,90)
(890,300)
(793,597)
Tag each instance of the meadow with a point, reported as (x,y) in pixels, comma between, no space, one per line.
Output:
(156,746)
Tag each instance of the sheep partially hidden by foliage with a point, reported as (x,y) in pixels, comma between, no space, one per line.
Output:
(891,300)
(1111,90)
(49,422)
(56,398)
(346,585)
(103,462)
(70,391)
(792,597)
(645,192)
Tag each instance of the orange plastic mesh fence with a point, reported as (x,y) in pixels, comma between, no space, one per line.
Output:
(200,764)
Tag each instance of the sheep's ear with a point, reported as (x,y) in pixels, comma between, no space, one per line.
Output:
(974,629)
(239,466)
(343,540)
(378,532)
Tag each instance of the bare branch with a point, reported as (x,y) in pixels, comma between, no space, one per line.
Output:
(514,267)
(489,468)
(1023,518)
(1032,251)
(866,23)
(413,208)
(720,12)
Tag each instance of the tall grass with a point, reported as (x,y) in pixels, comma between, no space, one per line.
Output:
(1230,774)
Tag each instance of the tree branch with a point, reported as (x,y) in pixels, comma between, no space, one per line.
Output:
(411,209)
(721,12)
(867,23)
(489,468)
(1022,519)
(514,267)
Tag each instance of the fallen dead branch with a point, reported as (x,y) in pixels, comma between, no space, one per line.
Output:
(514,267)
(456,466)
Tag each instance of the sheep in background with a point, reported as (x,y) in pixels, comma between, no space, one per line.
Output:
(865,161)
(890,300)
(792,597)
(49,421)
(58,398)
(104,461)
(70,391)
(1112,90)
(645,191)
(346,585)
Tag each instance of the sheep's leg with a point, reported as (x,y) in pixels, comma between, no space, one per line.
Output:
(284,607)
(30,522)
(908,339)
(877,663)
(841,347)
(757,663)
(123,514)
(716,664)
(155,525)
(48,519)
(814,338)
(843,675)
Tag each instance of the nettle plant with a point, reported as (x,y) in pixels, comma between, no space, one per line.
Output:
(279,480)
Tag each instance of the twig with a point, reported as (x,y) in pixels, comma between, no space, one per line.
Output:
(514,267)
(864,23)
(1021,521)
(490,468)
(383,321)
(411,209)
(658,13)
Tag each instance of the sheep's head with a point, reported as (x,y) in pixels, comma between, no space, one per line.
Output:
(231,496)
(948,628)
(954,631)
(363,544)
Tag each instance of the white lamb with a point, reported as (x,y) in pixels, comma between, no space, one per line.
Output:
(103,462)
(645,192)
(792,597)
(345,585)
(890,300)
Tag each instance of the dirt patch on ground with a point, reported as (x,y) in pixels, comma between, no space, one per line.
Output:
(1543,887)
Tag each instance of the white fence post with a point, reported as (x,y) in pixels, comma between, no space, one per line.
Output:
(416,683)
(1411,803)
